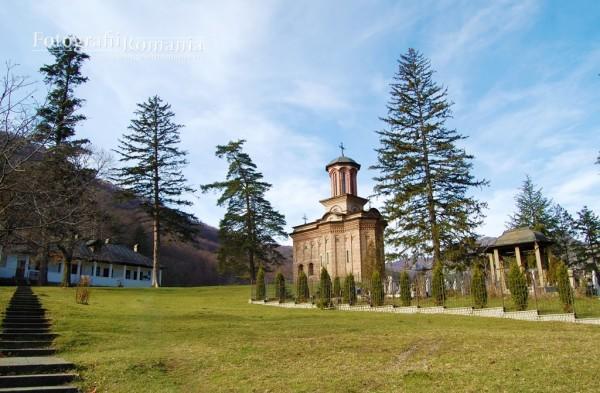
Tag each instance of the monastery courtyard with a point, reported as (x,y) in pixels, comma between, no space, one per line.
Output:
(210,339)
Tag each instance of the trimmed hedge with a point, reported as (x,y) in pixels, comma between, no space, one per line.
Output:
(325,289)
(377,295)
(260,284)
(517,284)
(302,294)
(349,293)
(280,287)
(405,289)
(565,292)
(337,288)
(438,290)
(478,289)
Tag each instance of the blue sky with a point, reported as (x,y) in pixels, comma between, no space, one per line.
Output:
(297,78)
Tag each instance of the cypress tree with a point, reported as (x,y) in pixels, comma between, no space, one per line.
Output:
(153,173)
(478,289)
(565,292)
(248,230)
(337,289)
(349,290)
(260,284)
(302,294)
(280,287)
(324,289)
(377,293)
(438,289)
(405,289)
(424,176)
(517,284)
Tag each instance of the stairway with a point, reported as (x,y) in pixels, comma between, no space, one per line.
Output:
(27,363)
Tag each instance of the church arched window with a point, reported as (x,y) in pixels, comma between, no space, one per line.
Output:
(300,268)
(311,270)
(343,181)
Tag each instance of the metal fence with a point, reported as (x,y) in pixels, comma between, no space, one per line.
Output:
(503,291)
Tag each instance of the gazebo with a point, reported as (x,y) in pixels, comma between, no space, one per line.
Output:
(512,243)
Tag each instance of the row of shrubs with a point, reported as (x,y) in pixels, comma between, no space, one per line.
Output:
(328,290)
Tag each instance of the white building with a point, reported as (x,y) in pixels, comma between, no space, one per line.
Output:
(105,263)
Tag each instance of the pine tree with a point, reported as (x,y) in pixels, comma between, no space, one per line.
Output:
(377,294)
(562,233)
(60,181)
(438,288)
(153,173)
(337,288)
(533,209)
(261,290)
(517,284)
(478,289)
(248,230)
(405,295)
(302,294)
(280,287)
(325,289)
(565,292)
(587,226)
(424,176)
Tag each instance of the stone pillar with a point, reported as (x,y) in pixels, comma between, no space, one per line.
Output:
(538,260)
(492,269)
(124,270)
(110,269)
(160,277)
(138,273)
(518,257)
(500,270)
(571,278)
(94,269)
(79,268)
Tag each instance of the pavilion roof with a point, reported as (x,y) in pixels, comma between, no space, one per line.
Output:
(514,237)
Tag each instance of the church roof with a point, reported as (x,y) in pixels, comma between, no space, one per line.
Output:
(343,160)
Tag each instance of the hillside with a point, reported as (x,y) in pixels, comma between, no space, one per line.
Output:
(186,264)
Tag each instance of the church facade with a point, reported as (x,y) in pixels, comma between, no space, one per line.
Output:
(347,238)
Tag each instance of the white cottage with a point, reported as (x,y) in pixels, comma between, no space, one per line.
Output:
(105,263)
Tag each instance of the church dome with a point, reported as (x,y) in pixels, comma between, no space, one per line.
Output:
(342,160)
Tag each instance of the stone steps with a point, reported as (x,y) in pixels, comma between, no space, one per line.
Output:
(26,361)
(35,380)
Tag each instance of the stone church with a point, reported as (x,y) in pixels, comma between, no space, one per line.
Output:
(347,238)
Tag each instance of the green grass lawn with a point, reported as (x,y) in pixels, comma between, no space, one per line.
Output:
(210,339)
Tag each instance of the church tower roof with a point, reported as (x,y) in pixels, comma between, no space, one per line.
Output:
(343,160)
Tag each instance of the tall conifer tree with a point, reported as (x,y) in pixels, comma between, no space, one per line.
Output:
(587,226)
(248,230)
(533,209)
(424,175)
(153,173)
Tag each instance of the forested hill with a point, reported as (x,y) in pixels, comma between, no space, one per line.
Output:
(185,263)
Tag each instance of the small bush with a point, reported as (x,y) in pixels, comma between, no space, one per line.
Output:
(302,294)
(260,284)
(324,289)
(517,284)
(377,295)
(82,293)
(405,289)
(478,289)
(565,292)
(438,290)
(280,287)
(349,290)
(337,288)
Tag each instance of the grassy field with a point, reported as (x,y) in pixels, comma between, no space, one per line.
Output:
(210,340)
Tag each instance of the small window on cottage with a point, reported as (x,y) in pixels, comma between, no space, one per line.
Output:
(127,274)
(135,275)
(105,272)
(73,268)
(97,271)
(310,269)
